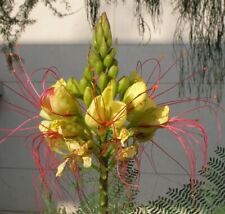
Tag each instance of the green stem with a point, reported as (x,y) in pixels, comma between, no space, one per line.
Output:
(103,186)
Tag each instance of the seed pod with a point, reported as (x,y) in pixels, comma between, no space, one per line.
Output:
(99,67)
(93,57)
(103,48)
(83,84)
(113,71)
(102,81)
(88,73)
(88,96)
(73,86)
(123,85)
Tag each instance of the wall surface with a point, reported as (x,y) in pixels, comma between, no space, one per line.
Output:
(76,29)
(17,168)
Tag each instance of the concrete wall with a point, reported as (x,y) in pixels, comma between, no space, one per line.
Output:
(16,165)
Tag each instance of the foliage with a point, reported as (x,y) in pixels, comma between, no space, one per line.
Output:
(206,196)
(15,18)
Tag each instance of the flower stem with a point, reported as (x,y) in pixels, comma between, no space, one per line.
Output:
(103,186)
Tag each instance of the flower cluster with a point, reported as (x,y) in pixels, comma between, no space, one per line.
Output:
(99,115)
(80,136)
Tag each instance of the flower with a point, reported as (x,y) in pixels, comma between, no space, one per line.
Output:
(58,100)
(147,120)
(105,112)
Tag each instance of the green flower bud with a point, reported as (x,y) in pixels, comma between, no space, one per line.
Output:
(123,85)
(93,57)
(109,40)
(105,25)
(99,67)
(102,81)
(113,71)
(103,48)
(88,96)
(94,42)
(99,33)
(73,86)
(113,52)
(88,73)
(108,60)
(83,84)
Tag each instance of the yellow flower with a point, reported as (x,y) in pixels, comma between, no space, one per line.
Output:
(105,112)
(81,149)
(126,153)
(59,100)
(55,141)
(148,120)
(135,95)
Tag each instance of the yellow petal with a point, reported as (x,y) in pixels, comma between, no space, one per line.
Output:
(124,135)
(61,167)
(72,145)
(127,153)
(118,113)
(107,97)
(135,95)
(87,161)
(44,126)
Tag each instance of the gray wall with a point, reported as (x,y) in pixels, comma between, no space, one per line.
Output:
(16,165)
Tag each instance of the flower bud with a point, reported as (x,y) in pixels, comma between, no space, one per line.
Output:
(99,33)
(113,85)
(113,71)
(123,85)
(88,73)
(108,60)
(88,96)
(103,81)
(99,67)
(83,84)
(93,57)
(105,25)
(103,48)
(59,100)
(73,86)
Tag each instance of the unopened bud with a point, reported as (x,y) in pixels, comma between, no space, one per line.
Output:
(83,84)
(123,85)
(73,86)
(99,33)
(113,71)
(88,73)
(103,48)
(113,85)
(102,81)
(93,57)
(99,67)
(88,96)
